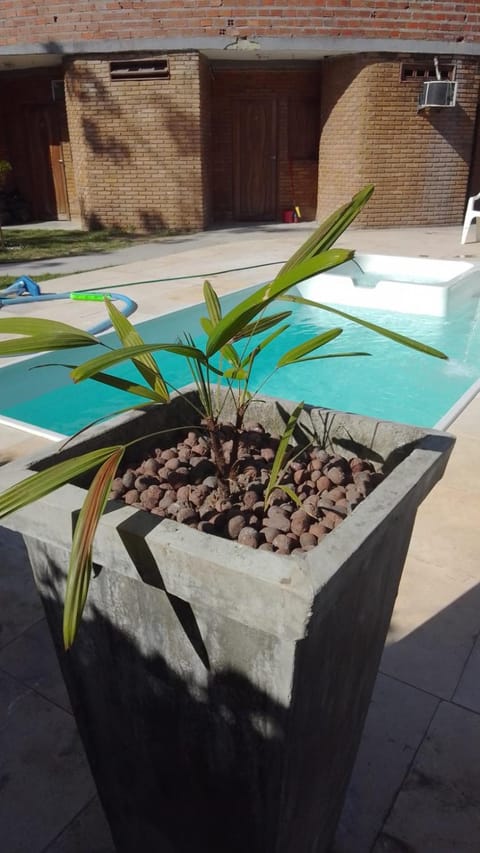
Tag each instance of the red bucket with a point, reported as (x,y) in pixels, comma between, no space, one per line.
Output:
(289,216)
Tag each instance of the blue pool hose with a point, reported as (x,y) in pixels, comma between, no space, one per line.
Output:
(12,295)
(16,293)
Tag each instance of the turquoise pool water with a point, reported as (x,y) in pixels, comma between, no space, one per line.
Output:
(393,384)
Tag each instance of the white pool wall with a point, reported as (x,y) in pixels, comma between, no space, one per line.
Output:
(388,282)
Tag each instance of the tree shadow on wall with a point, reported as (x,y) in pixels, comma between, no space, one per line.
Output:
(126,147)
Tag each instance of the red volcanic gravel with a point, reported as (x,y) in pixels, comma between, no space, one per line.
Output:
(181,483)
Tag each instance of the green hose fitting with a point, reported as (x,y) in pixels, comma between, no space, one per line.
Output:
(91,297)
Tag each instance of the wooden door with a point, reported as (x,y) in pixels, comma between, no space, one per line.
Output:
(255,159)
(48,189)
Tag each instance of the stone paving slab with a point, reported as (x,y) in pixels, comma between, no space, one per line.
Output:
(45,779)
(433,628)
(459,472)
(438,536)
(88,833)
(468,690)
(468,424)
(15,443)
(31,659)
(389,743)
(438,809)
(21,607)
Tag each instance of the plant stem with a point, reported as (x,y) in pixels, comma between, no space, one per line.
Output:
(219,458)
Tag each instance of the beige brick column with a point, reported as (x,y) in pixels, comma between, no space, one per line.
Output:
(372,132)
(138,145)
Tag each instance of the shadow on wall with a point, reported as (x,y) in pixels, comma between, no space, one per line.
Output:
(458,134)
(151,221)
(139,159)
(440,119)
(109,144)
(180,765)
(410,156)
(342,82)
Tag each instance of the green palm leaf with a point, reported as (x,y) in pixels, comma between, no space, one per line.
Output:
(282,450)
(114,357)
(80,567)
(40,335)
(40,343)
(237,373)
(262,325)
(145,364)
(228,351)
(264,343)
(128,387)
(234,322)
(329,231)
(207,325)
(296,353)
(37,326)
(332,355)
(380,330)
(212,302)
(113,382)
(44,482)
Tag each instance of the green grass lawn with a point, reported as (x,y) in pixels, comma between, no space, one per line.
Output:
(37,244)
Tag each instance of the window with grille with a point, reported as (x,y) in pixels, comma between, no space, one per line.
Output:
(419,72)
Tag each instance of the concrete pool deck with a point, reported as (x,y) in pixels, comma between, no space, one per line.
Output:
(416,784)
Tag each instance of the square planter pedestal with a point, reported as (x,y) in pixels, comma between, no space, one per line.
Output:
(220,691)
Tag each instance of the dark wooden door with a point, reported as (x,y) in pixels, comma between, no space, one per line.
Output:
(255,159)
(48,189)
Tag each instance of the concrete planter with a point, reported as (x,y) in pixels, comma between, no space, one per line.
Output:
(221,692)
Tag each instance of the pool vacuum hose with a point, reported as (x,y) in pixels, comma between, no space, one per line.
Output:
(24,290)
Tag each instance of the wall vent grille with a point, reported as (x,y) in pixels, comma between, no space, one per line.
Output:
(139,69)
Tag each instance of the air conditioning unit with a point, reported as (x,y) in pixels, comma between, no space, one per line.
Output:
(437,93)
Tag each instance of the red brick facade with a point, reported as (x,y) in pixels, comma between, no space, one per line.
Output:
(266,105)
(26,21)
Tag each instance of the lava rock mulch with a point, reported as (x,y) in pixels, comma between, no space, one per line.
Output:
(181,483)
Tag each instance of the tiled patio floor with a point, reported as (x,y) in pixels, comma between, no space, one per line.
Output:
(416,785)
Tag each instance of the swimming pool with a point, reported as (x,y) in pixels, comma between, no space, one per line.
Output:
(393,384)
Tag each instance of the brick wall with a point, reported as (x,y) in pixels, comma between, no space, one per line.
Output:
(138,145)
(372,132)
(27,21)
(286,88)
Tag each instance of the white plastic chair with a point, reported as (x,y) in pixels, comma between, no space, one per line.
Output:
(470,215)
